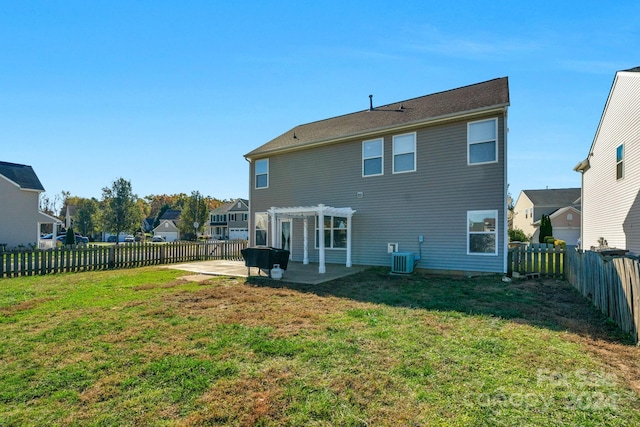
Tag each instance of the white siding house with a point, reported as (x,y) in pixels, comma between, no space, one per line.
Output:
(610,173)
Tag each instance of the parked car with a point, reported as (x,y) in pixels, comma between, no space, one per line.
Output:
(129,238)
(60,238)
(157,239)
(111,239)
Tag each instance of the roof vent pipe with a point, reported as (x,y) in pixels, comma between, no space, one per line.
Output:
(370,102)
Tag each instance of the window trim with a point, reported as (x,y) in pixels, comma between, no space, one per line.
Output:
(256,229)
(469,143)
(415,152)
(381,156)
(620,162)
(255,173)
(331,229)
(488,212)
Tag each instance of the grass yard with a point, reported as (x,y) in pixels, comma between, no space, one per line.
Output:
(147,347)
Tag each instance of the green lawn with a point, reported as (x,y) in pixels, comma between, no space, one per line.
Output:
(144,347)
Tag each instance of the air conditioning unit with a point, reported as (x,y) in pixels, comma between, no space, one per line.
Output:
(402,262)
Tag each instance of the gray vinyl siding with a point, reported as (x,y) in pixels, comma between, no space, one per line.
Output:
(395,208)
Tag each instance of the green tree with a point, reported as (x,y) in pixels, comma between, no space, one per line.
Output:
(193,211)
(545,228)
(121,211)
(87,216)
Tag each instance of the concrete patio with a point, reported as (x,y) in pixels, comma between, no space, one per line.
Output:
(296,272)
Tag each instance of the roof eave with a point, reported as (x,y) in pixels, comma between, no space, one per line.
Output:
(583,166)
(498,108)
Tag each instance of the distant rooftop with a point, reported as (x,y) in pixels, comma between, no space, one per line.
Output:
(554,197)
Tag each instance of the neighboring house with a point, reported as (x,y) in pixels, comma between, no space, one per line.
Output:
(168,226)
(426,176)
(230,220)
(561,204)
(168,230)
(147,224)
(20,191)
(611,170)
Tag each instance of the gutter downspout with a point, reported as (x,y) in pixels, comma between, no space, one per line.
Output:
(505,220)
(250,218)
(582,167)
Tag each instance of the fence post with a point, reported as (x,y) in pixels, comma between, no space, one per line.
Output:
(111,263)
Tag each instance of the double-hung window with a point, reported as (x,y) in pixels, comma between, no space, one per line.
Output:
(261,226)
(620,161)
(404,153)
(482,232)
(335,232)
(262,173)
(482,142)
(372,157)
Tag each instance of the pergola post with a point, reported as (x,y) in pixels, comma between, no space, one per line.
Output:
(274,227)
(321,263)
(305,259)
(348,263)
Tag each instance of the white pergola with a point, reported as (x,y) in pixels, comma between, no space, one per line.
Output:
(305,212)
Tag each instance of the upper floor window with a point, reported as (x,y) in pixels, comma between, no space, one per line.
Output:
(482,232)
(372,157)
(482,142)
(232,217)
(404,153)
(262,173)
(620,161)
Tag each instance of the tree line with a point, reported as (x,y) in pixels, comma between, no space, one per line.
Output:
(121,210)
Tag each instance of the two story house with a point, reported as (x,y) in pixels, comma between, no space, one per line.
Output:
(20,215)
(230,220)
(561,204)
(610,172)
(425,176)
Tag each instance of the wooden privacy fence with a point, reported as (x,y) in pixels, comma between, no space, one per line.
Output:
(536,260)
(611,283)
(128,255)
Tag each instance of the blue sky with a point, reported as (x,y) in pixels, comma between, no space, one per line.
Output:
(170,94)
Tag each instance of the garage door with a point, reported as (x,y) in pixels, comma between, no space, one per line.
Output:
(238,233)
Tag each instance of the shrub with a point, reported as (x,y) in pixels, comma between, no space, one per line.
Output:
(545,228)
(70,237)
(560,243)
(549,240)
(517,235)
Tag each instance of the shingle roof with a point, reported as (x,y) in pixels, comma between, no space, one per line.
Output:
(554,197)
(480,96)
(633,70)
(171,215)
(229,206)
(22,175)
(223,208)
